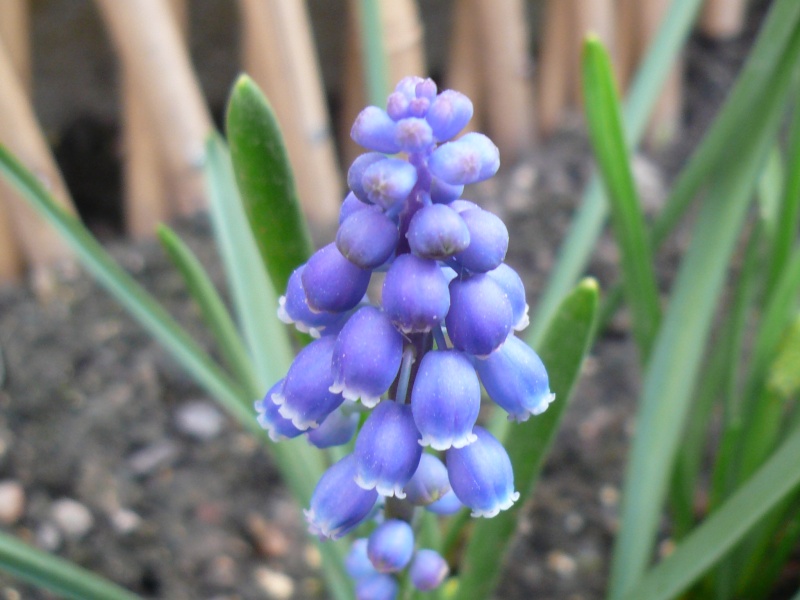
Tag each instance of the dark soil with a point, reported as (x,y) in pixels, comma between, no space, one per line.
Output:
(174,501)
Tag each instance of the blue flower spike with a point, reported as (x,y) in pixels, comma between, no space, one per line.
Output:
(428,570)
(481,475)
(413,353)
(391,546)
(338,505)
(387,449)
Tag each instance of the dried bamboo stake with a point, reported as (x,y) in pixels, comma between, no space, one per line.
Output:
(150,47)
(723,19)
(405,55)
(146,180)
(464,71)
(20,132)
(555,63)
(279,55)
(509,108)
(666,117)
(14,30)
(627,47)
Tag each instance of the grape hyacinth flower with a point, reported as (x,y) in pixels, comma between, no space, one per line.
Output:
(414,357)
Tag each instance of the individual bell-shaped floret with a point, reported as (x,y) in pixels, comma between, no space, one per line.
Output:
(429,482)
(293,308)
(387,449)
(449,113)
(469,159)
(414,135)
(460,205)
(331,282)
(446,399)
(388,181)
(488,241)
(367,238)
(375,130)
(444,193)
(338,505)
(377,587)
(269,417)
(367,356)
(355,174)
(357,563)
(480,316)
(350,205)
(337,429)
(391,546)
(481,475)
(415,294)
(426,89)
(428,569)
(516,379)
(449,504)
(437,232)
(305,397)
(512,285)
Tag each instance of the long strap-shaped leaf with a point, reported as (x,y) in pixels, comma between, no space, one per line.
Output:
(142,306)
(56,574)
(675,360)
(566,341)
(611,152)
(722,530)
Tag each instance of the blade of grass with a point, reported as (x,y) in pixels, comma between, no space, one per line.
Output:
(266,183)
(585,229)
(212,308)
(773,482)
(253,295)
(567,340)
(373,52)
(142,306)
(743,101)
(608,141)
(56,574)
(675,360)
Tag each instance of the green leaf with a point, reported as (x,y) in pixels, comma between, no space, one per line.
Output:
(266,182)
(141,305)
(608,140)
(253,295)
(374,58)
(56,574)
(212,308)
(676,357)
(566,341)
(773,482)
(784,376)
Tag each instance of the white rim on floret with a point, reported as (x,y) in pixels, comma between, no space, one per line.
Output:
(288,412)
(447,443)
(387,490)
(524,320)
(488,514)
(353,395)
(283,315)
(320,529)
(544,402)
(270,427)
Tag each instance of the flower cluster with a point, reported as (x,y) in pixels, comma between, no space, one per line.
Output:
(415,359)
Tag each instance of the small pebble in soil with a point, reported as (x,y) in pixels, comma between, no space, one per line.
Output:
(155,456)
(223,572)
(609,496)
(48,537)
(561,563)
(313,558)
(125,521)
(72,518)
(573,523)
(267,537)
(275,584)
(12,501)
(200,420)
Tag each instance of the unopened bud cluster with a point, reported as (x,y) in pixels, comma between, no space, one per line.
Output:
(416,360)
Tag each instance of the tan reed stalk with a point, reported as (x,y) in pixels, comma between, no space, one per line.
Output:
(503,36)
(627,47)
(666,118)
(464,71)
(556,62)
(352,91)
(145,177)
(723,19)
(41,245)
(150,47)
(279,54)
